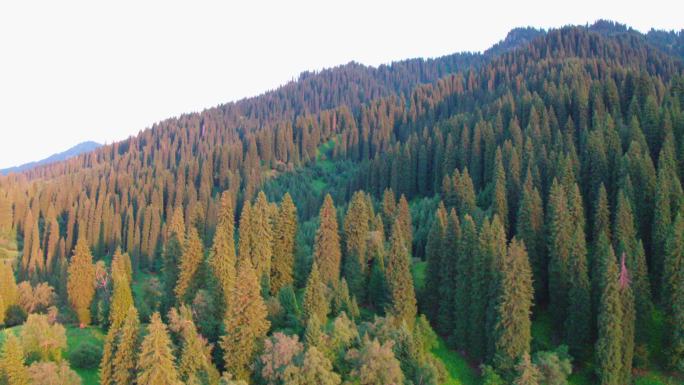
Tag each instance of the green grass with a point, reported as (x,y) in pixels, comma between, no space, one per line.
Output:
(77,336)
(458,370)
(418,270)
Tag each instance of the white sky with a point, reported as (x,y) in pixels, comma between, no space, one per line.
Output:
(72,71)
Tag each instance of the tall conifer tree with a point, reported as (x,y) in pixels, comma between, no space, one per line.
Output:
(222,259)
(156,362)
(327,251)
(81,281)
(246,324)
(282,271)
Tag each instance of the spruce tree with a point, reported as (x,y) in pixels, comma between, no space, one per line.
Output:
(479,292)
(191,259)
(245,324)
(530,230)
(8,290)
(327,252)
(527,373)
(466,252)
(434,250)
(399,279)
(673,292)
(245,233)
(222,259)
(173,250)
(578,322)
(628,318)
(81,281)
(285,230)
(513,324)
(601,221)
(195,366)
(356,233)
(609,355)
(627,246)
(261,238)
(559,230)
(155,364)
(493,247)
(405,225)
(107,362)
(125,357)
(499,197)
(448,275)
(315,303)
(122,298)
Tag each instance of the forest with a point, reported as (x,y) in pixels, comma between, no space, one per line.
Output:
(508,217)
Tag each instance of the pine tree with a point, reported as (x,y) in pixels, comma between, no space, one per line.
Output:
(245,324)
(122,299)
(399,279)
(190,262)
(222,260)
(513,324)
(81,281)
(610,333)
(315,302)
(673,292)
(125,357)
(12,366)
(156,362)
(285,230)
(327,251)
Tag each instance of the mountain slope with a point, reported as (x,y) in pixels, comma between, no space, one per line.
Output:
(570,140)
(70,153)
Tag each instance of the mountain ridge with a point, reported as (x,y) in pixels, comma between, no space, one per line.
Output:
(76,150)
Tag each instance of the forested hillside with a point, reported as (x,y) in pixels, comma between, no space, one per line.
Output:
(510,217)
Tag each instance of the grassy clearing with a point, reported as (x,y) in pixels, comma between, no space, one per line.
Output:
(458,370)
(77,336)
(418,271)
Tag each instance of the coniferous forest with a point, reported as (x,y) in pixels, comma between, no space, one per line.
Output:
(508,217)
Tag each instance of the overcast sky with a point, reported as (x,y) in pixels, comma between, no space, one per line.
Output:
(72,71)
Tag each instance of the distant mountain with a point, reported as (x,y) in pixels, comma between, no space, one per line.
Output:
(73,151)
